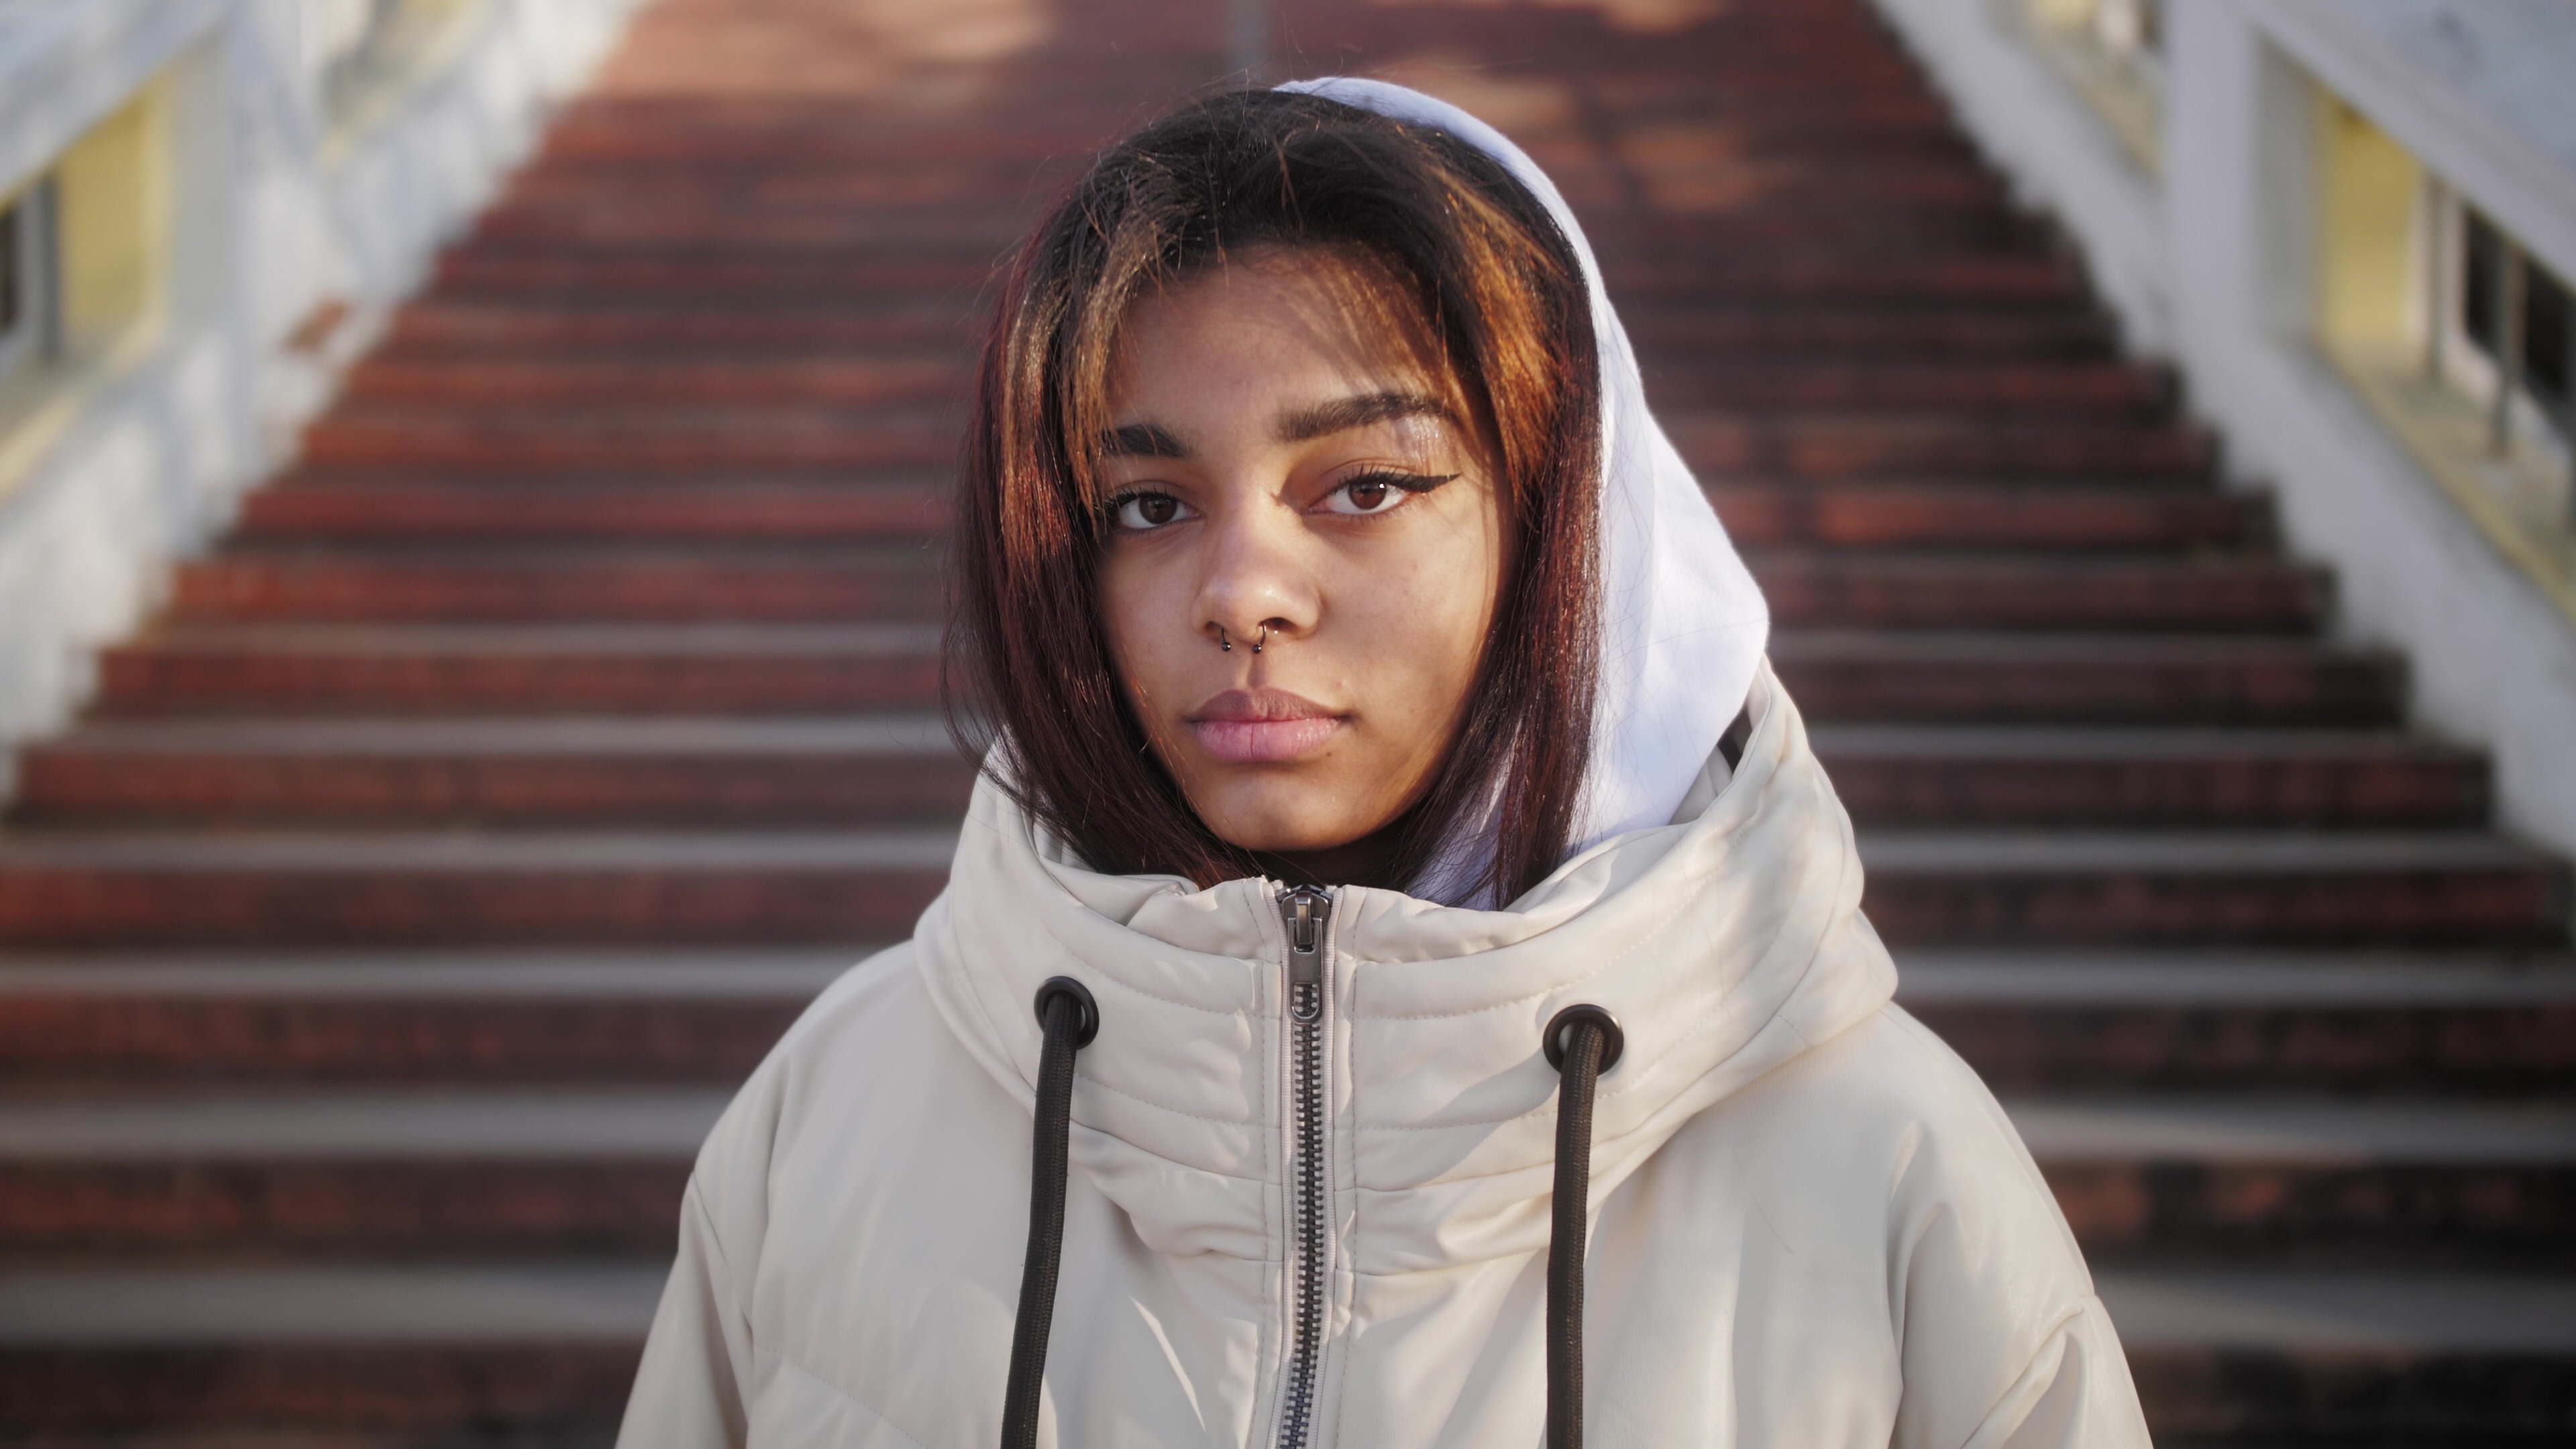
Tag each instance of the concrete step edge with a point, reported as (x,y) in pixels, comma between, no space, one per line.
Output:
(906,735)
(482,976)
(2305,1131)
(341,1124)
(2339,981)
(228,852)
(2413,1313)
(180,1307)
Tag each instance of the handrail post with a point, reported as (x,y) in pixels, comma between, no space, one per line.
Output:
(2508,348)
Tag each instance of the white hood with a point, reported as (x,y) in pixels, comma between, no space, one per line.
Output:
(1682,622)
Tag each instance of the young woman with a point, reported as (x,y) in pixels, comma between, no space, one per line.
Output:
(1402,981)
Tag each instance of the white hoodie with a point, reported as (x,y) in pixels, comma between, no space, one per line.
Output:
(1812,1226)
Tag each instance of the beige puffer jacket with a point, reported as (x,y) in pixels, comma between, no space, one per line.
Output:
(1812,1226)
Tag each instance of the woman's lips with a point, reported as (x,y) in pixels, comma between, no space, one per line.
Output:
(1262,727)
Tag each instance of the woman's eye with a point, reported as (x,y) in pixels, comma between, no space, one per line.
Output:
(1376,493)
(1144,512)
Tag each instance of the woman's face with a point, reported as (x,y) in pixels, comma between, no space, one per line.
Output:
(1290,473)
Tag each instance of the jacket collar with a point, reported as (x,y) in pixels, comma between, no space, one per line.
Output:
(1726,943)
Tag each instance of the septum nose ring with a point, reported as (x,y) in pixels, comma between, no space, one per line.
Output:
(1226,644)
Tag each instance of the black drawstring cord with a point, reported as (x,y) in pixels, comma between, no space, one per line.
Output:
(1582,1042)
(1070,1019)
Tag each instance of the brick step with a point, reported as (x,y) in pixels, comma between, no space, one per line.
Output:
(2220,1357)
(937,327)
(64,890)
(1906,514)
(1676,183)
(593,1173)
(941,380)
(349,505)
(556,669)
(1675,335)
(2379,1027)
(336,1173)
(742,438)
(1671,178)
(1833,587)
(594,134)
(574,773)
(2193,778)
(2404,1360)
(1860,444)
(2059,387)
(693,378)
(414,583)
(753,438)
(1890,676)
(698,220)
(1853,676)
(583,504)
(1669,337)
(491,1018)
(2310,1181)
(754,772)
(1946,888)
(381,1356)
(2173,1205)
(890,188)
(631,271)
(895,583)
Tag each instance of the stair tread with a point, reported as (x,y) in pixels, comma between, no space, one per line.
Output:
(891,735)
(741,974)
(2332,1310)
(519,852)
(2243,852)
(2241,1127)
(2352,980)
(351,1124)
(349,1304)
(723,640)
(2032,743)
(1973,645)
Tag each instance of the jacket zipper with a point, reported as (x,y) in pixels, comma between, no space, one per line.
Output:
(1304,910)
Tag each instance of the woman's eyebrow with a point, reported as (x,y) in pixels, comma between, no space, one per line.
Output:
(1359,411)
(1141,440)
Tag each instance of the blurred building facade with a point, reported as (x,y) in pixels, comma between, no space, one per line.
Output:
(2350,225)
(205,207)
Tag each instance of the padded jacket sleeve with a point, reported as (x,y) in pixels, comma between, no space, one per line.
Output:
(695,1381)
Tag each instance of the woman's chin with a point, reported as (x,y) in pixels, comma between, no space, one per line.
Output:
(1267,741)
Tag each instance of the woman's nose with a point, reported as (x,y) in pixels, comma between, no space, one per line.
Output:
(1257,582)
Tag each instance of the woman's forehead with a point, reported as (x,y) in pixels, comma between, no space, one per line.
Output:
(1321,341)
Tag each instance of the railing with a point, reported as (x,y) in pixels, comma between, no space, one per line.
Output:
(2513,314)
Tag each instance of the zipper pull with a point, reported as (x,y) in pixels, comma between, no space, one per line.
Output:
(1303,910)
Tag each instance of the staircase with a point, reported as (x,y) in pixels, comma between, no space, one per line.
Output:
(378,947)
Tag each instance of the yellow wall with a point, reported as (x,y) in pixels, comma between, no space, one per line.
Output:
(113,191)
(2369,237)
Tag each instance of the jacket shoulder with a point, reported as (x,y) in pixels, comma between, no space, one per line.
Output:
(1880,1155)
(875,997)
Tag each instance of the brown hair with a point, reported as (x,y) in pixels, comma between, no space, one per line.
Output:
(1498,288)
